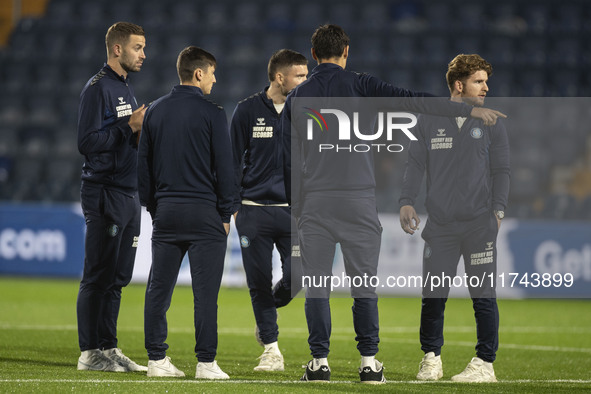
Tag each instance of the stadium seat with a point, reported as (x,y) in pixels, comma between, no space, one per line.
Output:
(215,16)
(536,15)
(58,179)
(584,212)
(565,18)
(400,50)
(439,16)
(499,51)
(309,16)
(279,18)
(375,16)
(560,206)
(9,143)
(345,15)
(248,16)
(12,109)
(26,178)
(36,141)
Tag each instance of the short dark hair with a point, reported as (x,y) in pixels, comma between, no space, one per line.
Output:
(119,33)
(284,58)
(329,41)
(462,66)
(190,59)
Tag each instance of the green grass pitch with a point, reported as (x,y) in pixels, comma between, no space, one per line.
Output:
(545,345)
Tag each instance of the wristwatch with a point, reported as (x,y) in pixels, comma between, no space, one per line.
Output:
(499,214)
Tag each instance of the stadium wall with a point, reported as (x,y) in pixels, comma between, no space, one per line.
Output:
(48,240)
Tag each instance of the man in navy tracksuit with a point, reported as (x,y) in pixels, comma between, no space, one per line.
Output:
(108,124)
(263,218)
(467,165)
(333,196)
(186,182)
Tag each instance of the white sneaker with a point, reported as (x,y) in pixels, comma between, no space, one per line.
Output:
(430,367)
(477,371)
(271,360)
(117,355)
(210,371)
(163,368)
(95,360)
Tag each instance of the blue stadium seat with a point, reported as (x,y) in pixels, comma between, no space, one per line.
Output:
(584,212)
(560,206)
(536,15)
(531,51)
(499,51)
(400,76)
(400,49)
(308,16)
(183,15)
(215,17)
(501,82)
(439,16)
(345,15)
(26,178)
(279,18)
(434,50)
(248,16)
(9,142)
(59,177)
(375,16)
(566,18)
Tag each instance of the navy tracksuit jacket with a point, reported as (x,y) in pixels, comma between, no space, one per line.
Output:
(467,179)
(109,202)
(186,182)
(263,218)
(333,194)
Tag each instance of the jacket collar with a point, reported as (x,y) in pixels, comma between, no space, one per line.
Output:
(188,89)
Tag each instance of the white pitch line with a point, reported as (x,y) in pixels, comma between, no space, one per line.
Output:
(196,381)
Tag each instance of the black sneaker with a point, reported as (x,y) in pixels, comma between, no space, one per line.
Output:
(372,376)
(322,374)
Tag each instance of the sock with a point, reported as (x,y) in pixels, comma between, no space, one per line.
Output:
(272,346)
(318,362)
(368,361)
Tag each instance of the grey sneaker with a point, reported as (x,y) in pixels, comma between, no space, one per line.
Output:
(163,369)
(95,360)
(117,355)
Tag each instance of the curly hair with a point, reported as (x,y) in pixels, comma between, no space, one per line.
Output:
(462,66)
